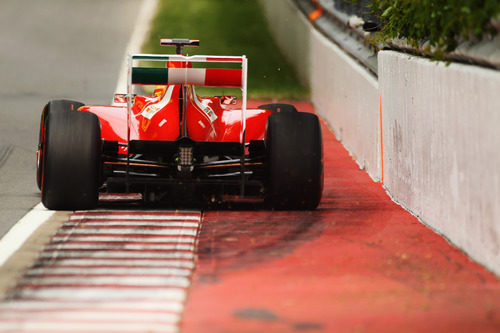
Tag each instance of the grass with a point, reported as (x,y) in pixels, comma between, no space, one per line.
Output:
(229,27)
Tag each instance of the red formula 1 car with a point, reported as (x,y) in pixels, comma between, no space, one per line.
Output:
(174,146)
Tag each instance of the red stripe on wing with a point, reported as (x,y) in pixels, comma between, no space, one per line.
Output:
(223,77)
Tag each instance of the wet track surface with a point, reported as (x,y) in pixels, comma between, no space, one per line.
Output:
(357,263)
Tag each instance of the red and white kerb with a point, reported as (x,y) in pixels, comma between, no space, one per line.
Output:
(108,271)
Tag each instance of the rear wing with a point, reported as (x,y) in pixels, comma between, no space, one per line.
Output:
(213,77)
(162,75)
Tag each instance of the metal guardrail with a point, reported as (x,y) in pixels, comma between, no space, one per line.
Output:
(359,8)
(339,21)
(334,24)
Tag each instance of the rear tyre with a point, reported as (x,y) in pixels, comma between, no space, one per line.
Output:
(295,161)
(60,104)
(71,160)
(279,107)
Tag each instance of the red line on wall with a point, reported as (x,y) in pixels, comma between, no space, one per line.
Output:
(381,142)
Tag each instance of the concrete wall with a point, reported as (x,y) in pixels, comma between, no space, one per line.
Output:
(346,95)
(441,148)
(440,129)
(343,92)
(291,32)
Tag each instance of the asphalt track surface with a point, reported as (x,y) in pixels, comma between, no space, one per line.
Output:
(51,49)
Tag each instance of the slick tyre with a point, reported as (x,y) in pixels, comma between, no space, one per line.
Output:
(279,107)
(295,161)
(60,104)
(71,160)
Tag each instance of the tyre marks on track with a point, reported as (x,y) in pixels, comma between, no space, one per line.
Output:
(108,271)
(5,152)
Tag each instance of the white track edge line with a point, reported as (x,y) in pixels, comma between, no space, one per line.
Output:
(142,26)
(26,226)
(22,230)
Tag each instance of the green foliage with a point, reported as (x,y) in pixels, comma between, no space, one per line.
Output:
(229,27)
(440,24)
